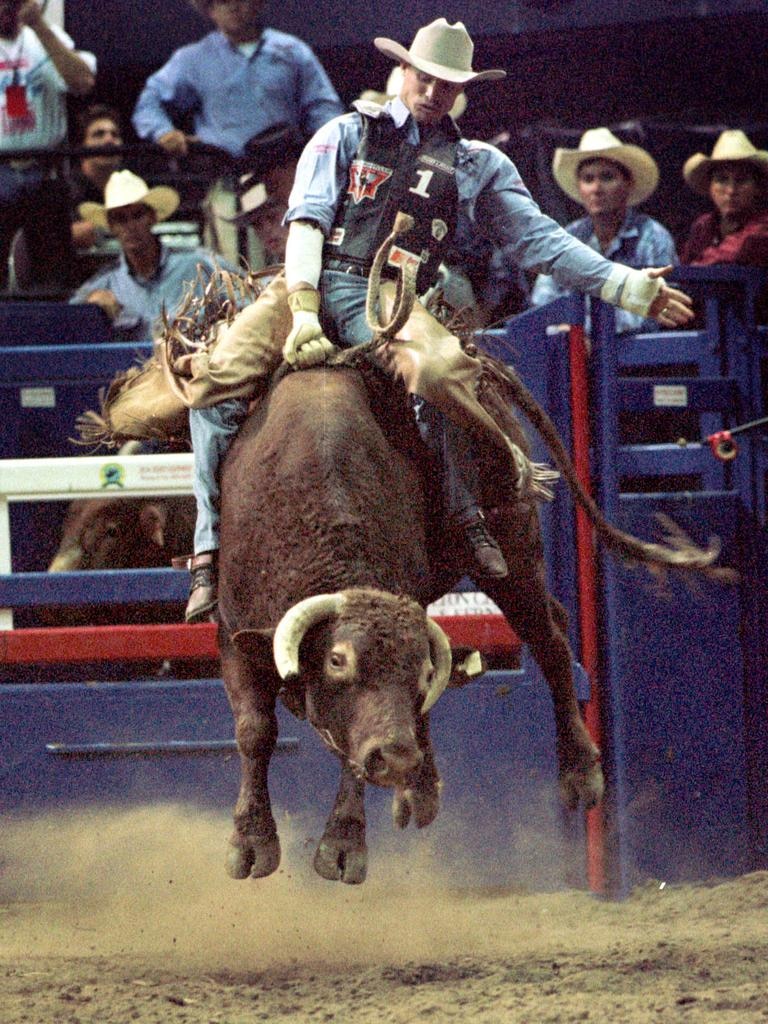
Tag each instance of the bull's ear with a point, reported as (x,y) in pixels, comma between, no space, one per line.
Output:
(256,643)
(153,518)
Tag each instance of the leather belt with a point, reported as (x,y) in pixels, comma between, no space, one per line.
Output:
(340,267)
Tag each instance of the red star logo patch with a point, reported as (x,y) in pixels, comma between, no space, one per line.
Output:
(365,180)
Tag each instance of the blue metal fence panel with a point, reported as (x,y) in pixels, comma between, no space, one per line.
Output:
(53,323)
(118,744)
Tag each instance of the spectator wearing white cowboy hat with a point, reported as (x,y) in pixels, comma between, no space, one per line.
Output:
(352,177)
(609,179)
(147,277)
(735,177)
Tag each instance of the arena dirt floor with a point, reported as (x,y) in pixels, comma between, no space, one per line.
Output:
(123,917)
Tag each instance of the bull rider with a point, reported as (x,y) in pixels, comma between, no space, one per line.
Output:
(353,176)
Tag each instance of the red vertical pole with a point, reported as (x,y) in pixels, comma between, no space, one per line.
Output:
(587,587)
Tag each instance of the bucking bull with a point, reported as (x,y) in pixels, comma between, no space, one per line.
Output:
(331,548)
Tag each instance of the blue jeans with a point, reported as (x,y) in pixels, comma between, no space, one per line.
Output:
(343,320)
(343,317)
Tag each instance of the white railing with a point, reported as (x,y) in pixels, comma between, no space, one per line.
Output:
(88,476)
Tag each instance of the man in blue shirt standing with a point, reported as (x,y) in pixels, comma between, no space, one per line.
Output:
(353,176)
(235,83)
(609,179)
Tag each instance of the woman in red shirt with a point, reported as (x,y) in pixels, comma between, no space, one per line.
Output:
(735,178)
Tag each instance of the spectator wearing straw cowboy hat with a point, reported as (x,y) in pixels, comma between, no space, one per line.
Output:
(354,174)
(735,177)
(148,277)
(610,178)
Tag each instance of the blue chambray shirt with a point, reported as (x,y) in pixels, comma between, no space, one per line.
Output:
(493,201)
(640,242)
(143,298)
(233,97)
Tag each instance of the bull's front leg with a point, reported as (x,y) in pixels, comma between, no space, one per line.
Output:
(254,847)
(420,800)
(341,853)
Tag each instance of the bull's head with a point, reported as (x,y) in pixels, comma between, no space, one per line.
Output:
(376,667)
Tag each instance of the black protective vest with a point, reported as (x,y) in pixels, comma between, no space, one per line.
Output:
(389,174)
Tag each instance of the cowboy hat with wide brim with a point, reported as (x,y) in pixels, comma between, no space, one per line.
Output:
(732,146)
(602,144)
(441,50)
(124,188)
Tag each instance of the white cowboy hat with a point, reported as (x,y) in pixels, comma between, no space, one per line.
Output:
(124,188)
(732,145)
(441,50)
(602,144)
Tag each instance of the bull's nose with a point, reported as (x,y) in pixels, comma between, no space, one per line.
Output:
(392,761)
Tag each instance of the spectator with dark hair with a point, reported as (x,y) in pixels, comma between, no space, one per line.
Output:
(234,84)
(735,178)
(148,277)
(98,126)
(38,67)
(610,179)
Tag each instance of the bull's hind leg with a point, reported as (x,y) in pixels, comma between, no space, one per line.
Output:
(341,853)
(540,621)
(254,848)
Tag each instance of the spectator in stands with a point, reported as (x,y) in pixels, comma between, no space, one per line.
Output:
(263,213)
(735,178)
(38,67)
(148,277)
(98,126)
(609,179)
(264,192)
(233,84)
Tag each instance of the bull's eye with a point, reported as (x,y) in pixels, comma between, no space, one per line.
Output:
(111,531)
(337,660)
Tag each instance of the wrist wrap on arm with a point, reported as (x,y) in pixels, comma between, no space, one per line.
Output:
(630,289)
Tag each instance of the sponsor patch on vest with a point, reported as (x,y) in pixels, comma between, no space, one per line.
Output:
(365,179)
(401,257)
(432,161)
(336,236)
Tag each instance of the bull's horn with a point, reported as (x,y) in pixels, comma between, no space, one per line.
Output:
(441,646)
(295,623)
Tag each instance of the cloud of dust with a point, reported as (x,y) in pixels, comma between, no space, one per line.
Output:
(152,880)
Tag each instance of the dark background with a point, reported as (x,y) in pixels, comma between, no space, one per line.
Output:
(668,75)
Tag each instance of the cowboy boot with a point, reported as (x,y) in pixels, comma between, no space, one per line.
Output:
(203,595)
(485,551)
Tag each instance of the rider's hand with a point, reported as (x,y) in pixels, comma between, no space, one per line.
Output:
(306,345)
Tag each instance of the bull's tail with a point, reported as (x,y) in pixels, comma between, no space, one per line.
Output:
(675,551)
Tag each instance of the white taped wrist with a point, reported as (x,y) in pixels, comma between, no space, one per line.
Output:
(630,289)
(303,254)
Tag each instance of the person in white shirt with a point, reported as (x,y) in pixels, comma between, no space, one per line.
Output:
(38,68)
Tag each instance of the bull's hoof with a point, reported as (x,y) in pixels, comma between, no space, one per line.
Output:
(338,864)
(251,857)
(421,805)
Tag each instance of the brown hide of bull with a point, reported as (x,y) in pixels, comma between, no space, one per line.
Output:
(319,496)
(122,533)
